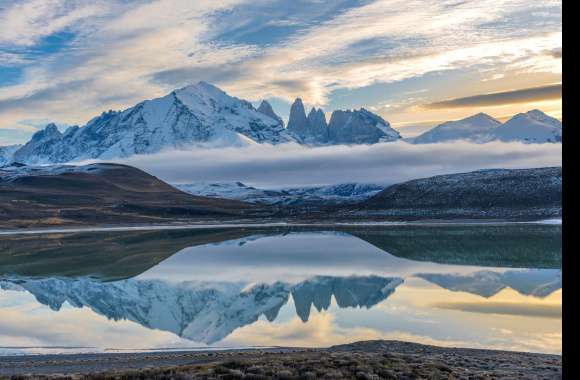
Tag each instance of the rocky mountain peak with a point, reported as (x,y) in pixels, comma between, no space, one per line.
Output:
(359,127)
(48,133)
(266,109)
(297,122)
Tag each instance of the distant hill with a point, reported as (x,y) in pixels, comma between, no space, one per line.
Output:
(101,194)
(482,193)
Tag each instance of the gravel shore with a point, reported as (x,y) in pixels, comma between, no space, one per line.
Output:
(361,360)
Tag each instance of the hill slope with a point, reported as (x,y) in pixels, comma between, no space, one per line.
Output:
(100,193)
(483,193)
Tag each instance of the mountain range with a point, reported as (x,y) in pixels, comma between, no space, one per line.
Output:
(303,196)
(345,127)
(208,312)
(531,127)
(202,115)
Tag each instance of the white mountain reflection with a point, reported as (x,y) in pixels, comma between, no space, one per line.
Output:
(533,282)
(203,311)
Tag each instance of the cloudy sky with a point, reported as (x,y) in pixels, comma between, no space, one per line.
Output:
(415,63)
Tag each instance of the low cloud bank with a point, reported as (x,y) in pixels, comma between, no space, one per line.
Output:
(293,165)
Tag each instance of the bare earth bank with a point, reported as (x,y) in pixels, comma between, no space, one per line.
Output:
(361,360)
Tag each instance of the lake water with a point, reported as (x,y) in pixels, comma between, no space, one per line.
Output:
(470,286)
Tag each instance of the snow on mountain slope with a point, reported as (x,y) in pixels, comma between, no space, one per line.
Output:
(531,127)
(476,128)
(199,114)
(231,190)
(266,109)
(7,152)
(332,194)
(203,311)
(505,193)
(11,172)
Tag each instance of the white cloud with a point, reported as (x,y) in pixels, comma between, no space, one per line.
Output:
(24,23)
(386,163)
(406,39)
(109,66)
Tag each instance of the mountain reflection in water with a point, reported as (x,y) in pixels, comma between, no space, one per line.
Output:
(203,285)
(203,312)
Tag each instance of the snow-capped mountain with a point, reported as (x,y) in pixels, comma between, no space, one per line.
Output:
(331,194)
(203,311)
(197,114)
(476,128)
(202,115)
(7,152)
(531,127)
(532,282)
(345,127)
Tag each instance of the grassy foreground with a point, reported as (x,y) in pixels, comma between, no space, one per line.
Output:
(362,360)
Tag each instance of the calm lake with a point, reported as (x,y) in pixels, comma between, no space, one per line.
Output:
(470,286)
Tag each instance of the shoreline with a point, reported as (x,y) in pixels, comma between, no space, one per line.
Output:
(160,227)
(367,359)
